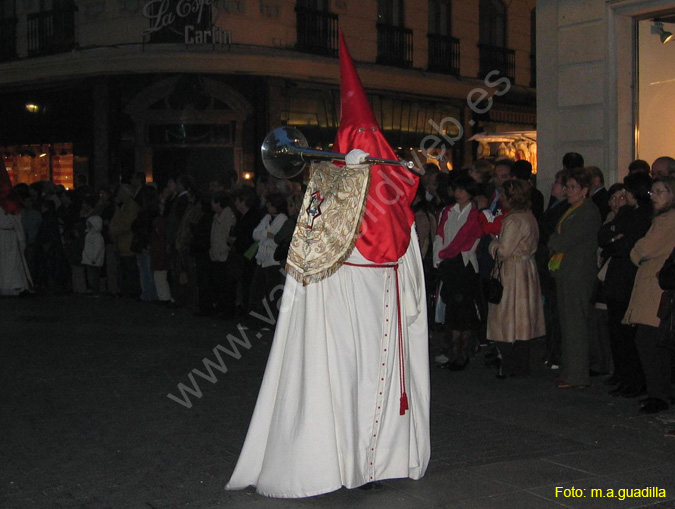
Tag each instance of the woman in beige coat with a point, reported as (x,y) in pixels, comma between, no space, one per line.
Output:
(519,316)
(649,254)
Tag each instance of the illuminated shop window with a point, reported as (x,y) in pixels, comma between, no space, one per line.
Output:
(35,163)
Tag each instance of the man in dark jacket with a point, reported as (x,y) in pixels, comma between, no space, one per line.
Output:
(248,218)
(616,239)
(598,192)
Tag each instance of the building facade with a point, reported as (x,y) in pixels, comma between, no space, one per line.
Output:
(590,96)
(172,86)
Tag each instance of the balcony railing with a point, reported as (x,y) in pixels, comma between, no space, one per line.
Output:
(317,31)
(394,45)
(443,54)
(533,70)
(494,58)
(7,39)
(51,31)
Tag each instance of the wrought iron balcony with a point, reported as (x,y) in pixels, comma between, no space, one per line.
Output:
(317,31)
(394,45)
(7,39)
(494,58)
(51,31)
(443,54)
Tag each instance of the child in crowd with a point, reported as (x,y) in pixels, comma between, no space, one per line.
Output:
(93,253)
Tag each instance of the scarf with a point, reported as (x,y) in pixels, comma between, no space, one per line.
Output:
(556,259)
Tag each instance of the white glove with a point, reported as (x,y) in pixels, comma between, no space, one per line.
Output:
(356,156)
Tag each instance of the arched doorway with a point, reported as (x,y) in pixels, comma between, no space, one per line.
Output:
(188,124)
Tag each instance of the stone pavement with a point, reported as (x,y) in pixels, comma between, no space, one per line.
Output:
(86,422)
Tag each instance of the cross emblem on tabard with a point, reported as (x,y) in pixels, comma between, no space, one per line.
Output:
(314,208)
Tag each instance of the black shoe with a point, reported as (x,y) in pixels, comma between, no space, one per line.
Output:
(376,485)
(653,406)
(490,356)
(457,366)
(493,362)
(671,400)
(592,372)
(633,391)
(618,390)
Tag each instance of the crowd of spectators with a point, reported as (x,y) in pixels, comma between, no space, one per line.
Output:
(580,272)
(211,251)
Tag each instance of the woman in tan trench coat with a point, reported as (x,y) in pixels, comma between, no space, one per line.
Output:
(649,254)
(519,316)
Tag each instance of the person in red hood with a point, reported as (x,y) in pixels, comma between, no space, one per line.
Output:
(345,396)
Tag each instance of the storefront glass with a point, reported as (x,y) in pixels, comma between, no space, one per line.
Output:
(40,163)
(655,131)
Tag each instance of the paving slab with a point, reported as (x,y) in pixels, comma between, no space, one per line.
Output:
(86,422)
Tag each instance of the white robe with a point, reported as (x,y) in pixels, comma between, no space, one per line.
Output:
(328,411)
(14,274)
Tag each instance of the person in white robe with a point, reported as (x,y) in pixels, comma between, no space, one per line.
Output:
(14,274)
(345,396)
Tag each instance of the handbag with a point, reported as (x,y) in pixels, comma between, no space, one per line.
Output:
(494,288)
(665,306)
(667,273)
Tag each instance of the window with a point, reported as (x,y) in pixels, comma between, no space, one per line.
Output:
(7,29)
(52,29)
(494,54)
(390,12)
(440,17)
(316,5)
(492,23)
(443,49)
(317,28)
(394,41)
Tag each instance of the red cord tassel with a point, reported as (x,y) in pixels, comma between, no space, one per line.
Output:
(404,403)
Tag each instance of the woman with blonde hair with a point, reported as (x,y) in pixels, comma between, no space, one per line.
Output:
(519,316)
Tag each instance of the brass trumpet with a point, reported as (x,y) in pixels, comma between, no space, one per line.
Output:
(285,153)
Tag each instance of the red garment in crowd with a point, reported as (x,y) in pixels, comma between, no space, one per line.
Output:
(10,201)
(466,236)
(494,227)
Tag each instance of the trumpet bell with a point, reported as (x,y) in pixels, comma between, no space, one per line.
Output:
(279,155)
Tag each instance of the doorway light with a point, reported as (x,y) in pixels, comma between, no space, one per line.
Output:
(664,35)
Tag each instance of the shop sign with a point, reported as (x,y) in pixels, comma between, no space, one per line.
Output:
(213,36)
(164,13)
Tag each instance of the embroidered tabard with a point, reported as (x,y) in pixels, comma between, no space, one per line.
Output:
(329,221)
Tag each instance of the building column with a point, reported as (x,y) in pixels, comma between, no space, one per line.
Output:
(101,127)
